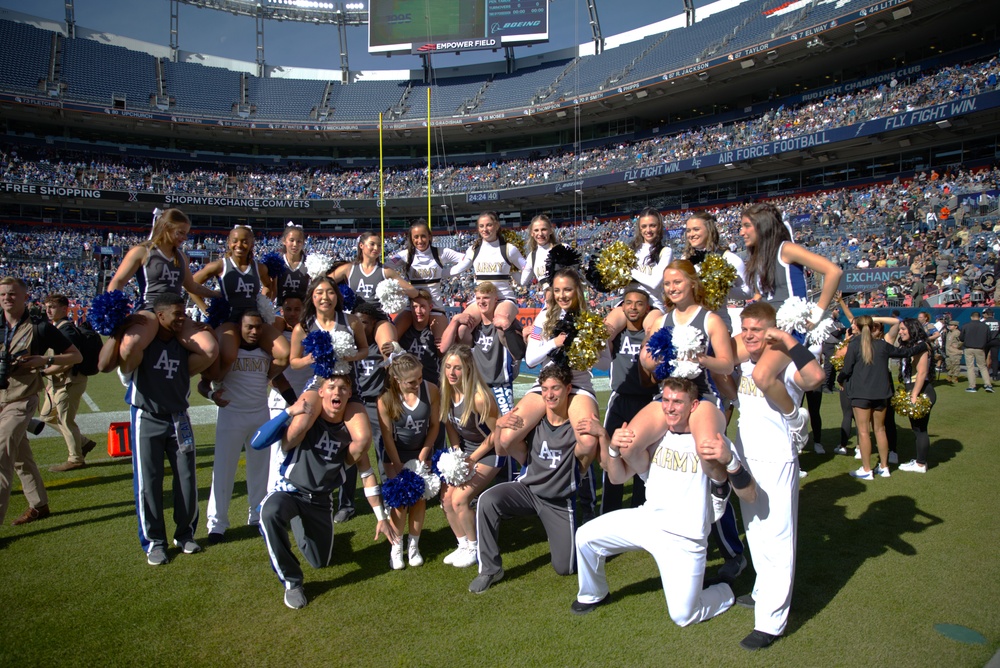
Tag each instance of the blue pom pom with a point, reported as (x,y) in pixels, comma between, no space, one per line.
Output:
(276,267)
(661,347)
(218,311)
(404,490)
(319,344)
(107,311)
(347,296)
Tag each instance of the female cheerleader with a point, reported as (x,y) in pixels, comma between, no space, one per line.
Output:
(492,259)
(469,414)
(652,257)
(565,299)
(324,310)
(915,371)
(241,278)
(423,264)
(160,266)
(296,278)
(776,269)
(367,271)
(702,238)
(409,416)
(541,239)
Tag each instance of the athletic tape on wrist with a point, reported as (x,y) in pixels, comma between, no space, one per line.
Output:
(380,513)
(614,453)
(367,474)
(373,491)
(734,465)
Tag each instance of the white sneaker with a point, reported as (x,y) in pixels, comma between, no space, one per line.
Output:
(798,427)
(913,467)
(466,559)
(819,449)
(396,558)
(840,450)
(857,453)
(862,474)
(802,474)
(416,559)
(882,471)
(719,503)
(893,458)
(450,559)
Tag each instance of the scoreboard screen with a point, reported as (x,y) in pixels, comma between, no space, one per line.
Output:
(426,26)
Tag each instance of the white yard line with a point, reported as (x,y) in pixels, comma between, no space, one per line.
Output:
(91,403)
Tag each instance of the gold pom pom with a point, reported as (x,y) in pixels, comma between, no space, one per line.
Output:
(911,409)
(717,276)
(514,239)
(615,264)
(837,361)
(591,337)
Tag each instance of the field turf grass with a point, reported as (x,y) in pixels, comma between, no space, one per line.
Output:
(879,565)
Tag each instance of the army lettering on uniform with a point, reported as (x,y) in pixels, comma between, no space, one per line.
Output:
(674,460)
(489,267)
(748,387)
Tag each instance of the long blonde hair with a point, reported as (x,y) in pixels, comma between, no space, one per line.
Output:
(163,229)
(473,388)
(865,324)
(697,288)
(553,239)
(552,309)
(392,395)
(711,230)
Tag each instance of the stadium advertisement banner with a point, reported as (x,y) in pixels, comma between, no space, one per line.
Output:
(856,280)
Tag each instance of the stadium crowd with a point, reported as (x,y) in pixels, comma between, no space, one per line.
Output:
(32,165)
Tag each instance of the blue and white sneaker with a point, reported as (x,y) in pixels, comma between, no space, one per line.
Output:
(862,474)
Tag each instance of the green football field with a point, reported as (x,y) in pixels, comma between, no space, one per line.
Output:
(880,565)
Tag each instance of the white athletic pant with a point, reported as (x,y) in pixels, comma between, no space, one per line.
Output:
(772,526)
(681,562)
(232,434)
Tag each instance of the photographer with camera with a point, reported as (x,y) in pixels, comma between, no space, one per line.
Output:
(65,386)
(23,341)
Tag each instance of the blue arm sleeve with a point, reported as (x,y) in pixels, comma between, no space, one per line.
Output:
(271,431)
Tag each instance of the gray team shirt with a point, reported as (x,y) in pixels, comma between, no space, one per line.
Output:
(158,276)
(317,465)
(161,383)
(364,285)
(371,375)
(421,343)
(625,378)
(551,471)
(492,358)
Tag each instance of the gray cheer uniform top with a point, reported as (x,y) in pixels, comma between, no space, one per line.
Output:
(625,379)
(699,323)
(317,465)
(410,431)
(240,288)
(158,276)
(161,383)
(492,358)
(371,375)
(551,472)
(364,284)
(295,282)
(471,436)
(421,343)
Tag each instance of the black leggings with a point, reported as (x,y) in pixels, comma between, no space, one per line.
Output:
(846,420)
(814,399)
(921,438)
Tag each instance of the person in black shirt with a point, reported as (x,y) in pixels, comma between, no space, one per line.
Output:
(976,337)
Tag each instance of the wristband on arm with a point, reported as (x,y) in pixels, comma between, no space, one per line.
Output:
(801,356)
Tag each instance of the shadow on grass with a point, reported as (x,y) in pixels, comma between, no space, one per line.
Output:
(43,527)
(832,547)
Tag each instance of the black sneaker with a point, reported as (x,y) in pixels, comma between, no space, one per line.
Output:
(757,640)
(343,515)
(214,538)
(745,601)
(88,446)
(579,608)
(732,568)
(484,581)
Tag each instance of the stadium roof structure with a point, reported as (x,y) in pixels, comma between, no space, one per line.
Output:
(308,11)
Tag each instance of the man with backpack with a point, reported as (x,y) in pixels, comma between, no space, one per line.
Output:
(65,385)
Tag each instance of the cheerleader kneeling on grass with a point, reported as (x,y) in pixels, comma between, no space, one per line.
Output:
(409,417)
(469,413)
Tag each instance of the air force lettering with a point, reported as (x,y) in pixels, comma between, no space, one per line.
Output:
(364,284)
(298,379)
(410,430)
(240,288)
(294,282)
(672,525)
(246,389)
(157,276)
(420,342)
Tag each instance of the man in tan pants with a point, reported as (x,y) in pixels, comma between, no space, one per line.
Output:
(953,351)
(63,391)
(22,343)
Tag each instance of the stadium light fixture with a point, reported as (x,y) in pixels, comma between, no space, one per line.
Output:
(860,27)
(943,124)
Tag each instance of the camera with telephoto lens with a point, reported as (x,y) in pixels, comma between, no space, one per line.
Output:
(5,368)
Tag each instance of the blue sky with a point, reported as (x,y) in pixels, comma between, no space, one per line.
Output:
(286,43)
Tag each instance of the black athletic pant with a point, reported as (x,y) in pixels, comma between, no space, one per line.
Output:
(310,518)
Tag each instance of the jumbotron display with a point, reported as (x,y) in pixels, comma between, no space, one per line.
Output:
(426,26)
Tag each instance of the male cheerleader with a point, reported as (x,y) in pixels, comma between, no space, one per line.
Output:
(673,523)
(289,384)
(767,451)
(239,416)
(547,485)
(159,382)
(325,434)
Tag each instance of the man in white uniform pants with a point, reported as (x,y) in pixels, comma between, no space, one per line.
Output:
(764,446)
(673,523)
(242,409)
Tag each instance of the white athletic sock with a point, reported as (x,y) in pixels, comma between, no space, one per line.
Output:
(463,541)
(472,545)
(413,541)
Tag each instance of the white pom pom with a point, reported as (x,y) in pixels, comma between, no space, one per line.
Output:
(391,296)
(688,341)
(818,334)
(794,314)
(432,483)
(343,344)
(266,309)
(318,264)
(453,467)
(685,369)
(342,368)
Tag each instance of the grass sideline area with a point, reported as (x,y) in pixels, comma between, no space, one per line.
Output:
(879,564)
